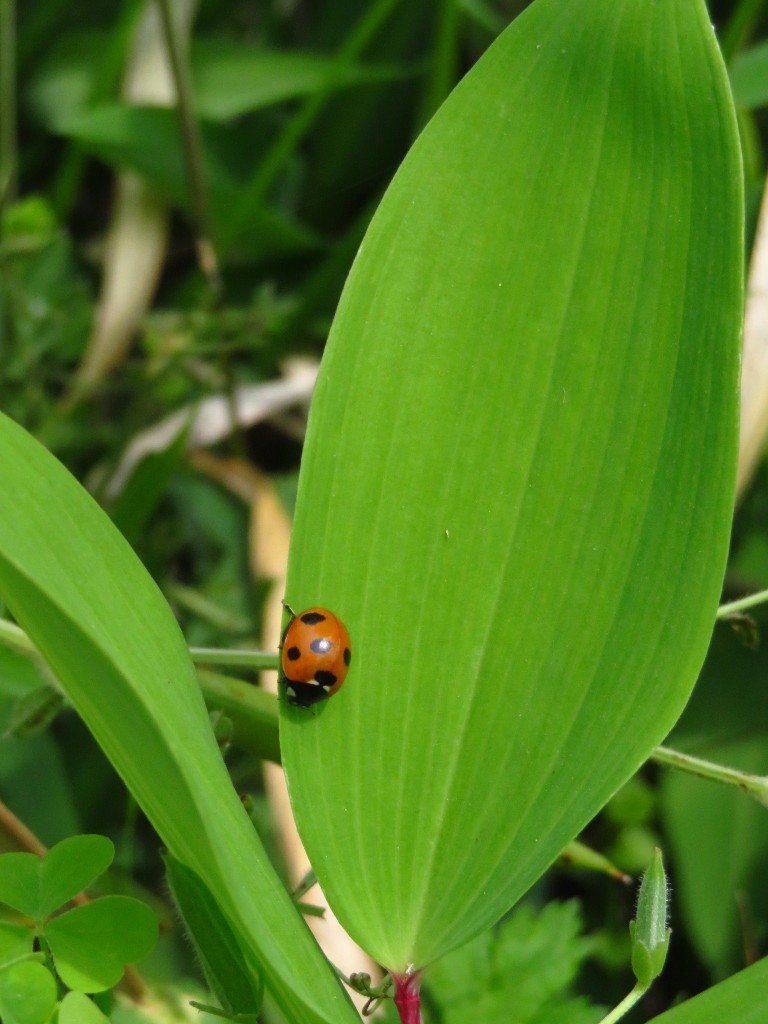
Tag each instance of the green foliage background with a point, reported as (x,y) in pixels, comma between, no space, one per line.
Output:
(304,115)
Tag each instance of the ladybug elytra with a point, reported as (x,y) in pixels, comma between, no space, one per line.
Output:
(314,658)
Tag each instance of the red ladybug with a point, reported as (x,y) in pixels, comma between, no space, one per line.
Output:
(315,656)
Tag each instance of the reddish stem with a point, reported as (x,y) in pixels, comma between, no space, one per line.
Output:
(407,998)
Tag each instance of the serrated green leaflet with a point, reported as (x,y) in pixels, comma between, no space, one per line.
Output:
(518,476)
(93,611)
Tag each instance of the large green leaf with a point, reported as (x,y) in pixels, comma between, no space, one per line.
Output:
(518,476)
(740,998)
(95,614)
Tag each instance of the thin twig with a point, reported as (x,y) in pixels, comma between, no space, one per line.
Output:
(750,601)
(8,141)
(193,150)
(755,785)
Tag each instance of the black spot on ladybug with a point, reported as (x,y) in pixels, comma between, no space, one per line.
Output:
(347,655)
(304,695)
(320,645)
(312,618)
(293,654)
(326,679)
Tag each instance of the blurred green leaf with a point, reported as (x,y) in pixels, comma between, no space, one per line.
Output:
(92,944)
(44,301)
(718,837)
(27,994)
(749,77)
(502,492)
(232,78)
(77,1008)
(63,82)
(522,970)
(33,766)
(147,140)
(19,676)
(34,712)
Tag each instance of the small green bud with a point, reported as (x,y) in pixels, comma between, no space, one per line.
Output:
(649,932)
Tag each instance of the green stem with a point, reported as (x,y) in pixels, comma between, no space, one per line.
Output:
(233,659)
(750,601)
(176,44)
(625,1005)
(755,785)
(15,638)
(253,711)
(8,141)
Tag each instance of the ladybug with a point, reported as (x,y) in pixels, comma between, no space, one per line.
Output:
(314,657)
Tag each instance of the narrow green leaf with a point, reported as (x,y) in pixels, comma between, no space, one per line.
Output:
(89,605)
(92,944)
(233,981)
(232,78)
(27,994)
(503,493)
(70,866)
(741,998)
(146,139)
(77,1008)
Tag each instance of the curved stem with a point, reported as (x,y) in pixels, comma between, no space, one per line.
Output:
(625,1005)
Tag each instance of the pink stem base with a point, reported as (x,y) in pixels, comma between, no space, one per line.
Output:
(407,998)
